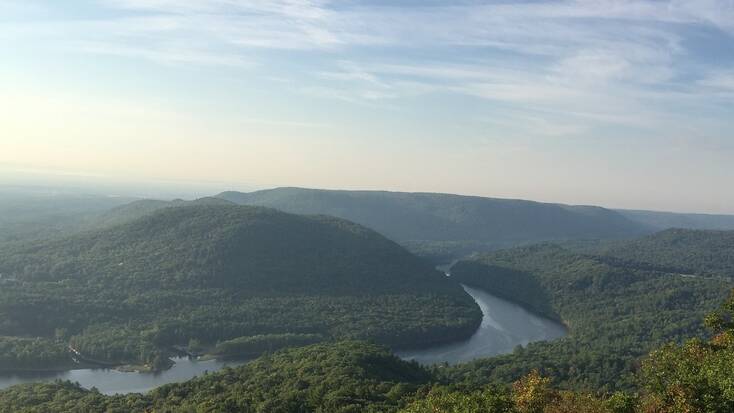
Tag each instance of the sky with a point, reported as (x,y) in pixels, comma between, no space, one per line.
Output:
(620,103)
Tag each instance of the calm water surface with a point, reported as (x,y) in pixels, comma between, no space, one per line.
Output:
(505,325)
(116,382)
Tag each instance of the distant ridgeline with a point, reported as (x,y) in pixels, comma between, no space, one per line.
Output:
(220,278)
(667,220)
(25,216)
(445,226)
(438,226)
(619,300)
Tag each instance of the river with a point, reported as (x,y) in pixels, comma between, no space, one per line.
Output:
(110,381)
(505,325)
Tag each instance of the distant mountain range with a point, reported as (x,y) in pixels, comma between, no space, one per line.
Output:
(438,226)
(667,220)
(25,216)
(443,224)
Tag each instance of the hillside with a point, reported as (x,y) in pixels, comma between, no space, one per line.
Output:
(667,220)
(616,312)
(693,252)
(210,273)
(449,225)
(137,209)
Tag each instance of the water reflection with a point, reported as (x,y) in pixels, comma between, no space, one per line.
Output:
(505,325)
(110,381)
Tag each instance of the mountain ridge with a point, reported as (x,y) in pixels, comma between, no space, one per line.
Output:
(433,219)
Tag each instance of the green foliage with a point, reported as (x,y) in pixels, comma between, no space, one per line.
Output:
(115,344)
(217,272)
(335,378)
(443,400)
(696,376)
(264,343)
(622,403)
(616,313)
(358,377)
(252,280)
(32,353)
(66,397)
(521,287)
(690,252)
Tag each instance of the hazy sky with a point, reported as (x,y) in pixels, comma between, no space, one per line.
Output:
(618,103)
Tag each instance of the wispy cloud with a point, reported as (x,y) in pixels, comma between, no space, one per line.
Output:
(167,54)
(721,81)
(610,61)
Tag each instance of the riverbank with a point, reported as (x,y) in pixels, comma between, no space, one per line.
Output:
(114,381)
(505,325)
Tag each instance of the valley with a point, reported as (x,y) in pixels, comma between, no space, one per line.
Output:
(366,206)
(208,274)
(142,283)
(504,326)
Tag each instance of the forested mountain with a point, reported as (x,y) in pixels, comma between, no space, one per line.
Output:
(616,311)
(243,280)
(442,224)
(667,220)
(692,252)
(214,273)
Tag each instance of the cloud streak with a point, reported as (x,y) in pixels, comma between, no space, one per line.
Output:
(621,62)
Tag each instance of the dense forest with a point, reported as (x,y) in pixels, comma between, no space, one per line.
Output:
(444,225)
(140,281)
(359,377)
(615,311)
(217,273)
(691,252)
